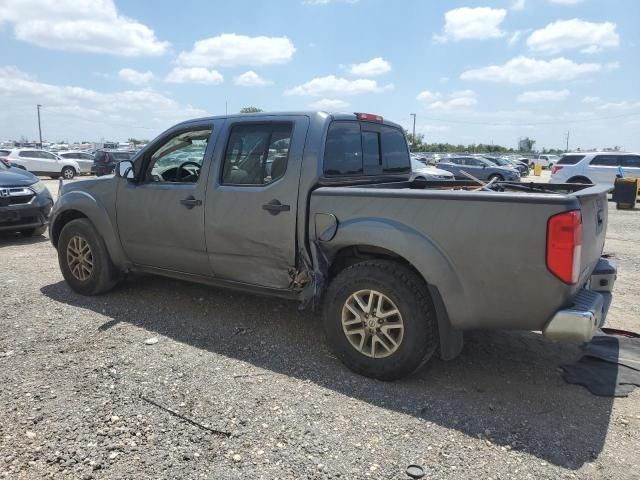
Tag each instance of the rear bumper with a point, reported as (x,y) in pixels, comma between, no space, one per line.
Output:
(589,310)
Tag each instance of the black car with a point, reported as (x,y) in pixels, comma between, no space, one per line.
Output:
(25,203)
(105,160)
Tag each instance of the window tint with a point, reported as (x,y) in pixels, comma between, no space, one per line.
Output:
(395,151)
(256,154)
(631,161)
(27,154)
(354,149)
(47,156)
(178,160)
(570,159)
(119,156)
(605,160)
(343,151)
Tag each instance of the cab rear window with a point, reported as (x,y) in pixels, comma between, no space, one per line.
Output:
(355,148)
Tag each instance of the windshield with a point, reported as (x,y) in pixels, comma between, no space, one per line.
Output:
(417,164)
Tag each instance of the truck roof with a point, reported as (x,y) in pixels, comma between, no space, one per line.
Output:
(320,114)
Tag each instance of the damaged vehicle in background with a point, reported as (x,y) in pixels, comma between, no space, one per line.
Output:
(337,222)
(420,171)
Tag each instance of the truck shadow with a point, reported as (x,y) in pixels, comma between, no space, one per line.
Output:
(10,238)
(505,388)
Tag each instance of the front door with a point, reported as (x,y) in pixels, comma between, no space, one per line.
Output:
(252,206)
(161,215)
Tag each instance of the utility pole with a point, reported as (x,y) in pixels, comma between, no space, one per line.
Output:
(567,142)
(226,109)
(414,129)
(39,126)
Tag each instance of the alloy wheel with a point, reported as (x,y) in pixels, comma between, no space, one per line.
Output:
(79,258)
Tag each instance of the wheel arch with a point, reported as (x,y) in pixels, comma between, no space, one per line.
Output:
(578,179)
(405,245)
(78,204)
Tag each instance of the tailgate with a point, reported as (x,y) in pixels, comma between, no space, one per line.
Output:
(594,210)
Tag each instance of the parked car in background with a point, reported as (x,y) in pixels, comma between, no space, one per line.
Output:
(40,162)
(507,163)
(599,168)
(105,160)
(420,171)
(546,161)
(480,168)
(84,159)
(25,203)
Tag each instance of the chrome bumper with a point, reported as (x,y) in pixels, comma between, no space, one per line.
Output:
(579,322)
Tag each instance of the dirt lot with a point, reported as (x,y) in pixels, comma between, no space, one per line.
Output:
(81,393)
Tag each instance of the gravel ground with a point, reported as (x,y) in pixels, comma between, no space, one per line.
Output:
(84,396)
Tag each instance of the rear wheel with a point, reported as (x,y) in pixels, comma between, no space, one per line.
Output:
(32,232)
(84,259)
(68,173)
(497,177)
(379,319)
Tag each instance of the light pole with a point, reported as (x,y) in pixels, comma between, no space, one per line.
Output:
(39,126)
(413,138)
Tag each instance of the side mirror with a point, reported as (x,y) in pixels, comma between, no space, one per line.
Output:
(484,166)
(125,170)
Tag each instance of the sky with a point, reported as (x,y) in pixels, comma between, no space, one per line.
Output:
(471,71)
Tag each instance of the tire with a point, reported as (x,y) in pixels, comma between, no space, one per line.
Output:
(407,292)
(68,172)
(497,176)
(579,180)
(421,179)
(32,232)
(103,274)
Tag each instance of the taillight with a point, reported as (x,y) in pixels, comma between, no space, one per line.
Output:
(369,117)
(555,168)
(564,245)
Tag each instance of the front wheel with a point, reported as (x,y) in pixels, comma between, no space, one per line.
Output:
(498,177)
(68,173)
(379,319)
(84,260)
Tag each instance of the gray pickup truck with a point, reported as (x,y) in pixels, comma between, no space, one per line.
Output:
(318,207)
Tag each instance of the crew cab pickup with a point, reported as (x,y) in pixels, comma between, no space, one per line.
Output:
(319,208)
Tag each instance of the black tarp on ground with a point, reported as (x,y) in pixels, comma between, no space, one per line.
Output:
(609,367)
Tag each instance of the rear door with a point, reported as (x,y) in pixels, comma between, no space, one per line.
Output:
(475,167)
(603,169)
(48,163)
(29,159)
(251,204)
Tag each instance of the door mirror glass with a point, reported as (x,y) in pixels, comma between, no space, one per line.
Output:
(125,170)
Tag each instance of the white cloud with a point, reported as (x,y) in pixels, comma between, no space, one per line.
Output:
(81,113)
(472,24)
(133,76)
(194,75)
(565,2)
(329,105)
(251,79)
(522,70)
(463,99)
(591,99)
(573,34)
(619,106)
(517,5)
(335,86)
(230,49)
(515,36)
(611,66)
(81,26)
(374,67)
(535,96)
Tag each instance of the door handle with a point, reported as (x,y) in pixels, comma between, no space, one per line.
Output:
(274,207)
(190,202)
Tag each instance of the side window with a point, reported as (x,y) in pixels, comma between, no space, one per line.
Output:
(343,150)
(180,158)
(605,160)
(85,156)
(257,154)
(47,155)
(27,154)
(395,151)
(631,161)
(570,159)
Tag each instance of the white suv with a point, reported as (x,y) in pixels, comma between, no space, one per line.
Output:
(595,167)
(40,162)
(546,161)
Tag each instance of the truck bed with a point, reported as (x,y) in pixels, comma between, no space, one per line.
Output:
(463,240)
